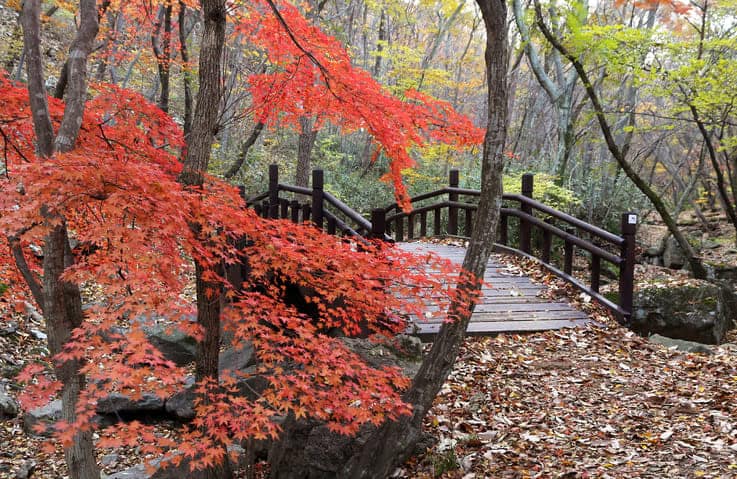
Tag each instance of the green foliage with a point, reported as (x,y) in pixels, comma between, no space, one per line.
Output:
(3,288)
(546,190)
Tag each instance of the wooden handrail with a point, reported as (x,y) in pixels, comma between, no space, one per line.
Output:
(383,222)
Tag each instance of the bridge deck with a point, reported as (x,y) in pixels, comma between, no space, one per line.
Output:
(511,305)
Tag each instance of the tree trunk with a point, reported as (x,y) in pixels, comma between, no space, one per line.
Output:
(187,75)
(697,267)
(245,147)
(61,301)
(63,313)
(394,441)
(162,52)
(306,141)
(199,145)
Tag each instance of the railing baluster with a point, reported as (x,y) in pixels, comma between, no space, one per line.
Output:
(627,269)
(378,223)
(398,222)
(503,229)
(468,226)
(423,224)
(547,243)
(524,226)
(273,191)
(438,212)
(306,211)
(331,225)
(294,206)
(568,265)
(284,204)
(317,198)
(411,226)
(595,272)
(452,210)
(265,211)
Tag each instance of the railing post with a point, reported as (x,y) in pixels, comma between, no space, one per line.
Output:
(524,226)
(503,229)
(317,198)
(273,191)
(378,223)
(453,182)
(547,245)
(627,269)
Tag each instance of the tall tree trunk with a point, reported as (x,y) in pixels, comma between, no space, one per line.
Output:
(61,301)
(394,441)
(306,141)
(187,75)
(619,154)
(245,147)
(63,313)
(162,51)
(199,145)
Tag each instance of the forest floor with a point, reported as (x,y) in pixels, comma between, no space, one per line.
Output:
(573,403)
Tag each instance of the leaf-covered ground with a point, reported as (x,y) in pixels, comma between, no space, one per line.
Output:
(575,403)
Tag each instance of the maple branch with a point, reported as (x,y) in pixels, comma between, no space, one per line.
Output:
(20,261)
(313,59)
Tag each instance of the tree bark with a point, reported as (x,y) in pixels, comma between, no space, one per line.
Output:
(306,141)
(238,163)
(61,301)
(187,75)
(162,52)
(697,267)
(394,441)
(199,145)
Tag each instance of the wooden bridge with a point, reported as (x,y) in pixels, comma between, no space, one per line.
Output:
(527,228)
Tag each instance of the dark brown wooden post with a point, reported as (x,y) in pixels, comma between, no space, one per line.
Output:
(242,191)
(411,226)
(273,191)
(284,207)
(378,223)
(399,228)
(627,269)
(568,251)
(317,198)
(453,182)
(547,243)
(524,226)
(503,229)
(468,222)
(306,210)
(423,224)
(331,225)
(595,272)
(294,210)
(437,212)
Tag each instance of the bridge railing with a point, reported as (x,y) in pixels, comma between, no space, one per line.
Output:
(450,211)
(313,204)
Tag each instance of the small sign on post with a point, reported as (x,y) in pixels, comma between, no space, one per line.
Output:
(632,219)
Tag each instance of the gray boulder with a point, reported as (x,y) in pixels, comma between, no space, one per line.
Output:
(696,311)
(307,448)
(681,345)
(673,256)
(8,406)
(238,363)
(117,402)
(46,415)
(174,344)
(163,469)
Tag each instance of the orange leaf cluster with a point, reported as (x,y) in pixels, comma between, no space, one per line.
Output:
(118,193)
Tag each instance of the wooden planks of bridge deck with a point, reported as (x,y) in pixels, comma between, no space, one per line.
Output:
(512,304)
